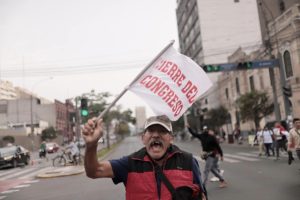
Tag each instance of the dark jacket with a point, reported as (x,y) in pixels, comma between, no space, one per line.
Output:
(209,143)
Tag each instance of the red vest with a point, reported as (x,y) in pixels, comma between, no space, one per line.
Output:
(141,181)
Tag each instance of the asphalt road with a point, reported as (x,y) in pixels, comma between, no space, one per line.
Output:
(249,177)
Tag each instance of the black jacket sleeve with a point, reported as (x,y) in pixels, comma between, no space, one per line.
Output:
(219,149)
(196,135)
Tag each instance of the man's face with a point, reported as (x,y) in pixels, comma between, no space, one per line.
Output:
(157,141)
(297,124)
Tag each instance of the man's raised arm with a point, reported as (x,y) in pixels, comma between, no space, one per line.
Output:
(92,132)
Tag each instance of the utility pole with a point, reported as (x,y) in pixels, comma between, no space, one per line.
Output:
(31,116)
(271,70)
(78,120)
(31,122)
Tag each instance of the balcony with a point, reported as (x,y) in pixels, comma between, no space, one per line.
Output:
(284,20)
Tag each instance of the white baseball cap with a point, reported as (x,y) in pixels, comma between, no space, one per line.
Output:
(162,120)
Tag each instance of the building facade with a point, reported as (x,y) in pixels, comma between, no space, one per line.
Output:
(7,90)
(211,30)
(140,114)
(29,114)
(280,33)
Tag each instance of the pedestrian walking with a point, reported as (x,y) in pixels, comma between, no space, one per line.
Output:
(221,171)
(223,134)
(42,150)
(280,141)
(260,141)
(267,136)
(237,134)
(211,153)
(152,171)
(294,140)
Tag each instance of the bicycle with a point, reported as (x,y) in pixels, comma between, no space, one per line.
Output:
(63,159)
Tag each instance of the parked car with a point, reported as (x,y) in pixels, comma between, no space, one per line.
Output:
(12,156)
(52,147)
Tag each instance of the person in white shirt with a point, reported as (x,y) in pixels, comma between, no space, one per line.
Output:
(73,150)
(267,136)
(260,140)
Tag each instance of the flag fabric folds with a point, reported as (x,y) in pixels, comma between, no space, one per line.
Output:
(171,84)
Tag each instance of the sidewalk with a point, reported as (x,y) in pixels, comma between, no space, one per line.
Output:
(68,170)
(61,171)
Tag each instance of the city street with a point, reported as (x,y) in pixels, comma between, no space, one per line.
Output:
(249,177)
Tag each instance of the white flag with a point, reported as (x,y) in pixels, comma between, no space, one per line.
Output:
(172,84)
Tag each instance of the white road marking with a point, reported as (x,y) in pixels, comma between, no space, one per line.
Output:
(247,154)
(240,157)
(23,171)
(32,181)
(225,160)
(9,191)
(230,160)
(7,172)
(21,186)
(2,197)
(32,174)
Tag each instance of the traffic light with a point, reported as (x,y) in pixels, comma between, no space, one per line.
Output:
(84,111)
(287,91)
(212,68)
(244,65)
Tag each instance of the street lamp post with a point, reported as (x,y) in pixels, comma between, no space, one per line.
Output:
(31,110)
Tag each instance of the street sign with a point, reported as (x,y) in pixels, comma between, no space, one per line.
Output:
(255,64)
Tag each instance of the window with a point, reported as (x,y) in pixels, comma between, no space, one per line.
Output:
(236,1)
(226,93)
(281,6)
(287,64)
(251,80)
(237,85)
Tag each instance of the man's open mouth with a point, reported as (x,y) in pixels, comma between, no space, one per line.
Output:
(156,144)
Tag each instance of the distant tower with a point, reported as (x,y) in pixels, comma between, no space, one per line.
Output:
(140,114)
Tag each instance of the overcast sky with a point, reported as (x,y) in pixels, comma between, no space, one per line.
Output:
(82,44)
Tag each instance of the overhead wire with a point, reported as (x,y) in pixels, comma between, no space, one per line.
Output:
(65,70)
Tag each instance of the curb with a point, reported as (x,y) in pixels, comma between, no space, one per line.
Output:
(61,171)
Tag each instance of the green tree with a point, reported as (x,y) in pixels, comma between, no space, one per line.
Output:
(216,117)
(122,128)
(127,116)
(97,102)
(254,106)
(48,133)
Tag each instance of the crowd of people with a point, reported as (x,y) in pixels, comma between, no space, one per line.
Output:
(273,141)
